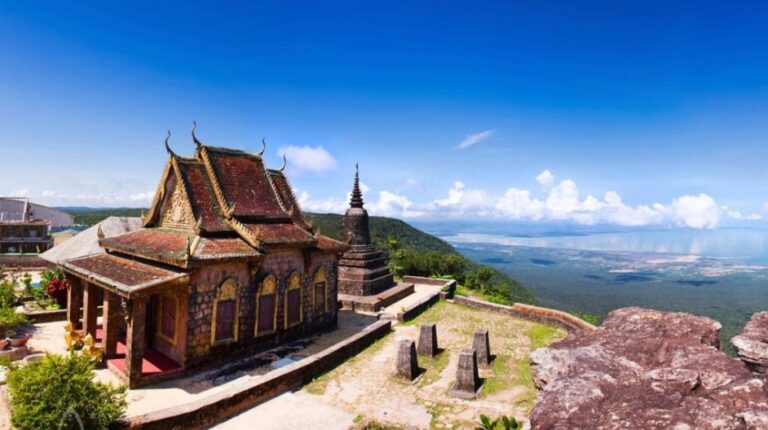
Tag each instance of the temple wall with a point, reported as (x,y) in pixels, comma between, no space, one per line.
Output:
(203,286)
(175,347)
(205,282)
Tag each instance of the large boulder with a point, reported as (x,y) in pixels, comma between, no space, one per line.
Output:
(646,369)
(752,344)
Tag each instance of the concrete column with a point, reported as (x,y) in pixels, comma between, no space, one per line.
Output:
(467,376)
(90,307)
(407,364)
(110,319)
(482,346)
(74,301)
(135,341)
(428,340)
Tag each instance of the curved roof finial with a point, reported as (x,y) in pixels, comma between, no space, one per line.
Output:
(194,138)
(285,163)
(263,146)
(167,147)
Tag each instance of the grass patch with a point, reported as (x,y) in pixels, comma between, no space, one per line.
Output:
(502,378)
(542,335)
(434,367)
(434,314)
(524,378)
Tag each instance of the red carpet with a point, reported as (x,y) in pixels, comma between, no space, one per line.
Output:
(153,362)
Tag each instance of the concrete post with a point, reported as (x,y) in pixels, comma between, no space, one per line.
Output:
(90,307)
(482,346)
(407,364)
(428,340)
(135,341)
(467,376)
(110,318)
(74,301)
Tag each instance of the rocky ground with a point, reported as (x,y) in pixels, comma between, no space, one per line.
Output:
(645,369)
(752,344)
(366,388)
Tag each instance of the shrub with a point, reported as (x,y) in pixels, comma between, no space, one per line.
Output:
(7,294)
(593,319)
(57,289)
(59,392)
(10,320)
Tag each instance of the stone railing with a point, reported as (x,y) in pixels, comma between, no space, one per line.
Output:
(533,313)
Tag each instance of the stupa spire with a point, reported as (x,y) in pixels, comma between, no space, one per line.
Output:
(357,196)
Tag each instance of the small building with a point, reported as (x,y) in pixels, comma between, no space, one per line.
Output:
(224,265)
(25,227)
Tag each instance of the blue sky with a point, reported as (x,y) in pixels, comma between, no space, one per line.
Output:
(660,104)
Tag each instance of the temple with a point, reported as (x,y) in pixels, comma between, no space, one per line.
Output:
(224,265)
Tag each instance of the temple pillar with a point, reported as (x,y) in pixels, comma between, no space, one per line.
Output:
(135,341)
(74,301)
(110,318)
(90,307)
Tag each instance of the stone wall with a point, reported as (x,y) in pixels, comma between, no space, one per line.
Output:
(534,313)
(281,264)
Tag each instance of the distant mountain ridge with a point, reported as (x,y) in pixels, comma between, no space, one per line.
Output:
(382,228)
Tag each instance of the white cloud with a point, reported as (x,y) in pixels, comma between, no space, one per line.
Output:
(740,216)
(411,183)
(19,193)
(308,158)
(94,197)
(474,139)
(546,179)
(328,205)
(695,211)
(462,200)
(560,202)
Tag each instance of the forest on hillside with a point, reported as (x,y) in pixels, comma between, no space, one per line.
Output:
(414,252)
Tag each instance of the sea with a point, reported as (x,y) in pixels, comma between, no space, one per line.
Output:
(719,273)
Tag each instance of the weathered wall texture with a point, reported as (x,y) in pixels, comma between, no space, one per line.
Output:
(281,264)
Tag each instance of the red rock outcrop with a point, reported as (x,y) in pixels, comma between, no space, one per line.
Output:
(752,344)
(645,369)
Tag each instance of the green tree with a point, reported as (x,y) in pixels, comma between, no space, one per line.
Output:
(59,392)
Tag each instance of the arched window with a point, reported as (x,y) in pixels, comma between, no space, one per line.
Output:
(226,308)
(320,292)
(293,312)
(266,306)
(167,316)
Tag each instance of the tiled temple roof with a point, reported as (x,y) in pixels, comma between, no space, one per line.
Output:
(244,184)
(156,243)
(222,204)
(204,204)
(125,275)
(238,208)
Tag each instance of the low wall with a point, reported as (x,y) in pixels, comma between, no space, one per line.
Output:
(217,407)
(534,313)
(417,308)
(37,317)
(449,285)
